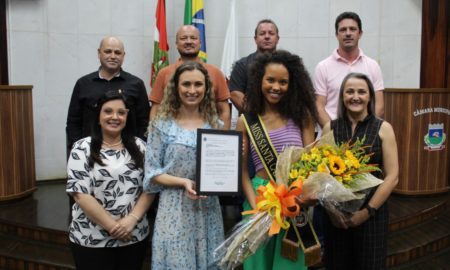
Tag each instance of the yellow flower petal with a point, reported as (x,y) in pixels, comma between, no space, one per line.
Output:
(322,168)
(293,174)
(337,165)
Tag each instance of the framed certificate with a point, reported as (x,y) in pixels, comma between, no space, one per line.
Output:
(219,161)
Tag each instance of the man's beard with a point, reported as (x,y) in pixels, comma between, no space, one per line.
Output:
(188,55)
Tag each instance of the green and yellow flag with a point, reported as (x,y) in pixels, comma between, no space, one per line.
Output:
(194,14)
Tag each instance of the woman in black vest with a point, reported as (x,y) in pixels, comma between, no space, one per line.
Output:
(360,241)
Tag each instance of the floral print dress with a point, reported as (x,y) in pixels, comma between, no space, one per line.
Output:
(186,231)
(116,186)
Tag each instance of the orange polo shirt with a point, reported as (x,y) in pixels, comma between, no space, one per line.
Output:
(220,87)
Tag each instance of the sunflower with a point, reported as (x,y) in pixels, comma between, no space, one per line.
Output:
(337,165)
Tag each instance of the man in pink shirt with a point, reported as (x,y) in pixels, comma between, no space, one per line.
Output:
(348,57)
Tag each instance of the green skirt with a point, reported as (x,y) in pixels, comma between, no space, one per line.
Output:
(268,256)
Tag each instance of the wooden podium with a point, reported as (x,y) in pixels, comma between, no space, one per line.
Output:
(17,166)
(421,121)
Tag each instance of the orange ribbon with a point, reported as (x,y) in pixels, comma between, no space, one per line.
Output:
(279,202)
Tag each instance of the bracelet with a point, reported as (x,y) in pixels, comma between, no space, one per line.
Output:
(371,210)
(133,215)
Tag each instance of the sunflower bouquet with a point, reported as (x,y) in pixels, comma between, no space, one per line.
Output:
(275,205)
(336,175)
(339,175)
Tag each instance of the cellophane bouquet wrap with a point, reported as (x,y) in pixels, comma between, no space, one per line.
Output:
(246,237)
(275,204)
(337,175)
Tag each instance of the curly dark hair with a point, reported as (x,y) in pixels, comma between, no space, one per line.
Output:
(128,139)
(299,103)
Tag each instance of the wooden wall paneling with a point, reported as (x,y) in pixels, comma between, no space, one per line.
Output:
(17,170)
(447,85)
(420,171)
(434,70)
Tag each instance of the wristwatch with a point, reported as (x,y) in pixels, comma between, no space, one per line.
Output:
(371,210)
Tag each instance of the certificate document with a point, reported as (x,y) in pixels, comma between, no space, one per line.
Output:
(219,156)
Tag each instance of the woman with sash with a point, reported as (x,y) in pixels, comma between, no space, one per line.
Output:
(360,241)
(279,112)
(187,227)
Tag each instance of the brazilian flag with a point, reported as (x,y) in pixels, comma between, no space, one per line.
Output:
(194,14)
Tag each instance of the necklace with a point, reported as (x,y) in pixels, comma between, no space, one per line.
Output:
(112,144)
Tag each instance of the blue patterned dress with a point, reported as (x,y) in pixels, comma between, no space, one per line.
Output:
(186,231)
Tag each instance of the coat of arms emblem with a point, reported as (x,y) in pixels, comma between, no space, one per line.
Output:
(435,137)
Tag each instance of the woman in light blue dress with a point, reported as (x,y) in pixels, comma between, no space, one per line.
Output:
(188,227)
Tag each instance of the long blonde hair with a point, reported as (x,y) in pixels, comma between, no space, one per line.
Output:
(171,102)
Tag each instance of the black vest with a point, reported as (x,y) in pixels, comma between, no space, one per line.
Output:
(369,127)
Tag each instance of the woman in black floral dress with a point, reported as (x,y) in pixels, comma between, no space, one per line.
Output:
(105,171)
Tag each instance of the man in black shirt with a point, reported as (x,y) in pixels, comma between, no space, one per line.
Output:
(266,40)
(110,76)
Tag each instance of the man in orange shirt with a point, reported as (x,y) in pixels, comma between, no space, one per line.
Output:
(188,46)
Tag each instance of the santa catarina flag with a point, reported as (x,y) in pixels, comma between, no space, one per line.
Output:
(194,14)
(160,46)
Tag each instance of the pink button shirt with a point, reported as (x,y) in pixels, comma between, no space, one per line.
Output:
(331,71)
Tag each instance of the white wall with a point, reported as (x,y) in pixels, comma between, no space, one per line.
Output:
(51,43)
